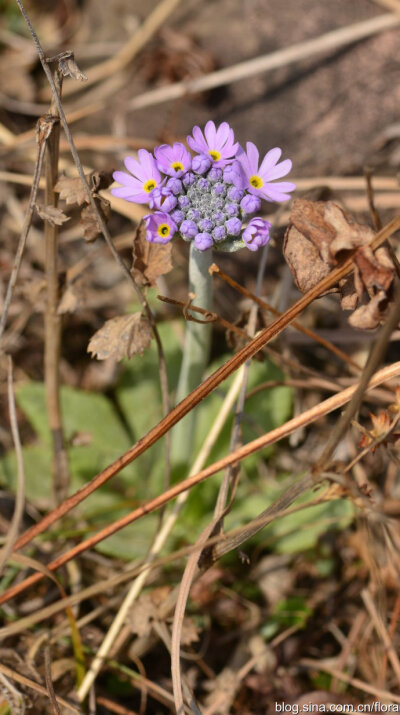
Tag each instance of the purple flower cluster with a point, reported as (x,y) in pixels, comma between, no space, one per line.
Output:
(209,197)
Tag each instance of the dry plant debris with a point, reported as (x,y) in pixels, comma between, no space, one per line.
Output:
(73,192)
(123,336)
(320,235)
(150,260)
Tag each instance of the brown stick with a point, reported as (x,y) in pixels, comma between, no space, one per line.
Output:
(52,322)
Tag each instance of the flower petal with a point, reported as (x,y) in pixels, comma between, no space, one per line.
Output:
(276,172)
(210,134)
(270,159)
(252,156)
(127,180)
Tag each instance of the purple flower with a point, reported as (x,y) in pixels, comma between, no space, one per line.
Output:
(160,227)
(173,160)
(231,209)
(258,179)
(233,226)
(256,234)
(188,228)
(201,163)
(250,203)
(216,143)
(219,189)
(144,177)
(233,174)
(203,241)
(177,216)
(163,199)
(219,233)
(205,224)
(188,179)
(235,194)
(215,174)
(174,185)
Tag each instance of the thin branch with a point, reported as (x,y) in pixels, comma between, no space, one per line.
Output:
(20,487)
(43,131)
(49,682)
(52,319)
(306,418)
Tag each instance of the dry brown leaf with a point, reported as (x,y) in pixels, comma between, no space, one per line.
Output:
(52,214)
(319,235)
(142,615)
(190,632)
(304,260)
(150,260)
(91,228)
(369,316)
(120,337)
(69,68)
(72,189)
(72,298)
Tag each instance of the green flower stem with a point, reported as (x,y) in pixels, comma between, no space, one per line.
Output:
(195,353)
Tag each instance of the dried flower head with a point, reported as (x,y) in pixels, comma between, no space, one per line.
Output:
(208,198)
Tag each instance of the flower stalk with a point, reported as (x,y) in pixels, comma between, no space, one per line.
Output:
(196,353)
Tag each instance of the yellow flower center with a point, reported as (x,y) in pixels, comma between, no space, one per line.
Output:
(164,230)
(256,182)
(215,155)
(149,185)
(177,165)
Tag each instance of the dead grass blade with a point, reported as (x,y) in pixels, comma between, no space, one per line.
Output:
(43,130)
(49,682)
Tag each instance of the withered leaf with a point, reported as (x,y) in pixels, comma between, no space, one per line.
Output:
(190,631)
(146,609)
(74,192)
(142,616)
(120,337)
(376,269)
(304,260)
(52,214)
(69,68)
(369,316)
(319,235)
(100,180)
(72,298)
(72,189)
(89,223)
(150,260)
